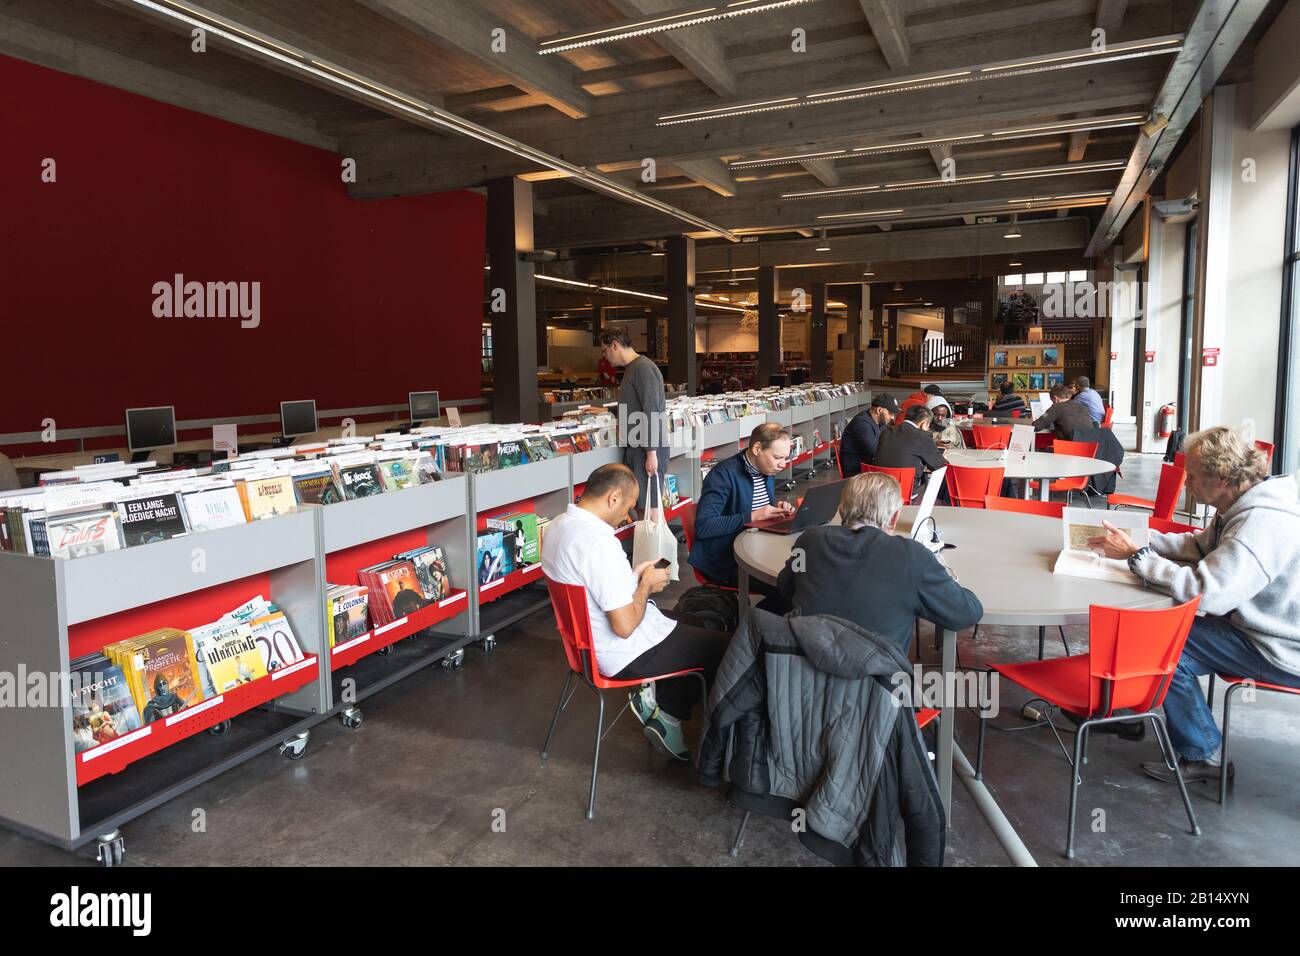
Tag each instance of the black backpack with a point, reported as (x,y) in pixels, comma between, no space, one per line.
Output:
(709,606)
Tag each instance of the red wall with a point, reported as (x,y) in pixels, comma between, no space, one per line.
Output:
(361,302)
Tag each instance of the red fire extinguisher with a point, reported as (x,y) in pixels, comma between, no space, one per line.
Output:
(1168,420)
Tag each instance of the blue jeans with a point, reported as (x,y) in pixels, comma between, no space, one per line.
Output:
(1213,647)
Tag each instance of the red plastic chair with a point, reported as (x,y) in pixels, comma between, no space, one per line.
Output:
(687,515)
(1236,684)
(906,478)
(986,436)
(1266,448)
(1170,527)
(571,618)
(968,487)
(1045,509)
(1081,449)
(1129,665)
(1180,459)
(1172,479)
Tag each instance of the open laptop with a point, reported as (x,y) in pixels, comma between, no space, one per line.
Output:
(818,507)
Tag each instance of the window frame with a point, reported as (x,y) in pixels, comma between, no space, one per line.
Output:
(1286,458)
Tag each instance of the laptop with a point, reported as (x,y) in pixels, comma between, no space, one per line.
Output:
(818,507)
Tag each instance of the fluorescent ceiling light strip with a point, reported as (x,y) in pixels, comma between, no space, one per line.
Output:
(1074,126)
(672,20)
(1041,172)
(1158,46)
(423,113)
(540,277)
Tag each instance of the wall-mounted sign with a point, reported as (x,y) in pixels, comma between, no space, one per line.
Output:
(1209,357)
(1151,358)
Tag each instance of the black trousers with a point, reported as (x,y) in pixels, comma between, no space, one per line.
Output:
(685,647)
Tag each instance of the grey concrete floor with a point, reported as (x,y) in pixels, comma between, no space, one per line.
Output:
(446,770)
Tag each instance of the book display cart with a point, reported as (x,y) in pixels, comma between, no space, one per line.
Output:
(1031,367)
(63,610)
(366,531)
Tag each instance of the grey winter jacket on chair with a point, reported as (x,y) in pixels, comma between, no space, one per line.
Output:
(806,712)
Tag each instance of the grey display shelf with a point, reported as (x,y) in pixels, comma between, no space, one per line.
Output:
(585,462)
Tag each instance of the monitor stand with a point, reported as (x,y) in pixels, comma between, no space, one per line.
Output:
(139,456)
(282,442)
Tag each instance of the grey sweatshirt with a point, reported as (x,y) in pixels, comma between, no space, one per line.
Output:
(1245,566)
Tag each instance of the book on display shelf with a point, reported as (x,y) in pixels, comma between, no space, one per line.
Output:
(267,497)
(492,558)
(315,484)
(394,591)
(396,474)
(359,481)
(162,671)
(518,538)
(151,517)
(81,533)
(347,612)
(103,708)
(430,570)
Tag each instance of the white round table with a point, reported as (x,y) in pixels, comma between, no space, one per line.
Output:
(1004,557)
(1043,466)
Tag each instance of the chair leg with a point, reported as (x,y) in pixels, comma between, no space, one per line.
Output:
(559,706)
(740,835)
(1064,642)
(595,759)
(1209,694)
(979,752)
(1042,635)
(1075,780)
(1166,744)
(1223,753)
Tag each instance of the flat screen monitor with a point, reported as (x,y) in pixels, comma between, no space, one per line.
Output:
(148,429)
(298,418)
(423,406)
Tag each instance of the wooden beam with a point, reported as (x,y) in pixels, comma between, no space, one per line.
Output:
(824,170)
(1078,146)
(465,29)
(1110,15)
(888,22)
(693,47)
(939,154)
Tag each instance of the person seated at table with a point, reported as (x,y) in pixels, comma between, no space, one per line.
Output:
(919,397)
(1008,401)
(862,435)
(737,491)
(630,636)
(1065,415)
(910,445)
(1087,396)
(1246,568)
(861,571)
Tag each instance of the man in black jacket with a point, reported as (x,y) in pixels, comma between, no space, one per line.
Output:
(910,445)
(830,570)
(862,435)
(1008,401)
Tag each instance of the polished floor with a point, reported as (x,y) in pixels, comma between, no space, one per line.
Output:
(446,770)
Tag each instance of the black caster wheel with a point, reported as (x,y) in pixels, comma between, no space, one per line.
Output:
(295,747)
(351,718)
(454,662)
(218,729)
(489,644)
(111,849)
(385,651)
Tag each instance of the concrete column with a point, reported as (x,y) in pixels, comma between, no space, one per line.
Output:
(769,326)
(681,312)
(817,334)
(514,329)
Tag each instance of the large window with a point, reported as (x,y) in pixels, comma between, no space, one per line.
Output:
(1288,410)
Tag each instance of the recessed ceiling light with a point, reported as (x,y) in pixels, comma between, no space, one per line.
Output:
(1014,231)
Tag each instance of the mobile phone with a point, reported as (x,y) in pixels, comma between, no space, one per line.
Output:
(663,564)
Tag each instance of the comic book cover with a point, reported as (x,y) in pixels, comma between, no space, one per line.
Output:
(538,448)
(511,453)
(359,481)
(519,538)
(397,473)
(151,517)
(268,497)
(430,570)
(348,614)
(83,533)
(317,488)
(581,441)
(213,508)
(491,557)
(166,674)
(232,659)
(276,644)
(102,706)
(562,444)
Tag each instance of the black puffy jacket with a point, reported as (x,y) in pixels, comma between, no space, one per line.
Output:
(809,709)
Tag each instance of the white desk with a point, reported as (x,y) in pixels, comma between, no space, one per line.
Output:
(1005,558)
(1040,465)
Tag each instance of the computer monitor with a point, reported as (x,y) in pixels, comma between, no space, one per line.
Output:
(423,406)
(298,418)
(148,429)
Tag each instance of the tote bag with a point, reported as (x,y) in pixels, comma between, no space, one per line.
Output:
(652,539)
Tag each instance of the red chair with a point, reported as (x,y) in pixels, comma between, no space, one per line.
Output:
(1172,479)
(986,436)
(1266,448)
(1109,420)
(1170,527)
(687,514)
(1045,509)
(1081,449)
(906,478)
(1180,460)
(968,487)
(1129,665)
(571,618)
(1234,685)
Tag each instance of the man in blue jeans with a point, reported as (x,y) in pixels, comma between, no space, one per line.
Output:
(1246,568)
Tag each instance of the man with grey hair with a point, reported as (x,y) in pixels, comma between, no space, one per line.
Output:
(1246,568)
(861,571)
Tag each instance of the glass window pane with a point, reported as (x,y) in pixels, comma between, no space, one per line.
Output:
(1079,275)
(1012,280)
(1056,277)
(1033,278)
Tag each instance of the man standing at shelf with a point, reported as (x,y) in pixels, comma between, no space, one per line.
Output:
(1065,416)
(737,491)
(862,435)
(642,409)
(631,637)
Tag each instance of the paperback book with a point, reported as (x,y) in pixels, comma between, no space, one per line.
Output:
(102,706)
(152,517)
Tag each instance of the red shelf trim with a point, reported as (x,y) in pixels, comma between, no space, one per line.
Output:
(487,593)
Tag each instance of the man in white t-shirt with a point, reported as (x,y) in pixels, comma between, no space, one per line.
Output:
(632,638)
